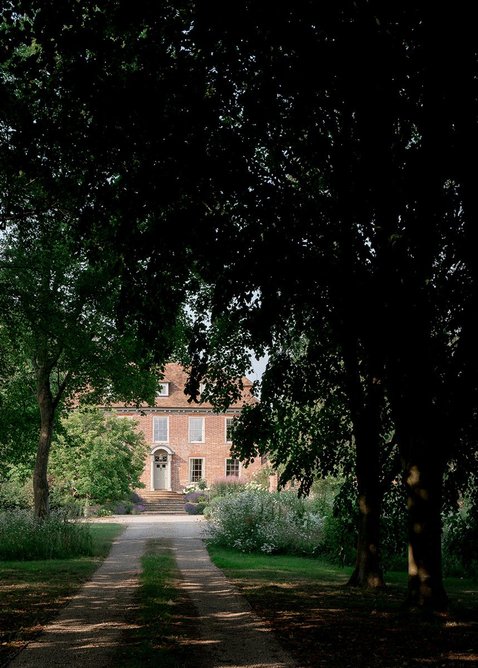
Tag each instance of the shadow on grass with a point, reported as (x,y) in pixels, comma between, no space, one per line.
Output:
(323,623)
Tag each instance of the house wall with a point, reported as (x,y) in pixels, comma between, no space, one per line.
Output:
(175,407)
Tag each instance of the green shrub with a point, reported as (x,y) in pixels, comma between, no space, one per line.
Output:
(259,521)
(338,540)
(337,503)
(66,505)
(123,507)
(104,512)
(16,494)
(195,508)
(96,458)
(227,485)
(460,542)
(393,528)
(196,501)
(261,479)
(25,538)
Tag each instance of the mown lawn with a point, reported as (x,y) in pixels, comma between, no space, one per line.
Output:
(323,623)
(31,592)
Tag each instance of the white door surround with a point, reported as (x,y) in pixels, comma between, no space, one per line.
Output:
(161,457)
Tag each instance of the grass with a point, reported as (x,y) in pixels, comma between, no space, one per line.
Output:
(31,592)
(324,623)
(281,567)
(163,617)
(24,537)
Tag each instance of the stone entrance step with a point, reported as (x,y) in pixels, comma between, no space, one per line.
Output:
(162,502)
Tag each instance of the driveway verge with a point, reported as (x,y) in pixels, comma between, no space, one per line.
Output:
(88,630)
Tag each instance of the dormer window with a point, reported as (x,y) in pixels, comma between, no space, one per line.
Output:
(163,390)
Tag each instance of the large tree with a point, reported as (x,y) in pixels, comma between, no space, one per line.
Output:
(59,316)
(96,180)
(349,197)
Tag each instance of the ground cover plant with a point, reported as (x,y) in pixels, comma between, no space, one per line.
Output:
(162,618)
(32,591)
(321,622)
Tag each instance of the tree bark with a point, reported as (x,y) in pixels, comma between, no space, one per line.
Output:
(425,583)
(40,474)
(368,571)
(365,407)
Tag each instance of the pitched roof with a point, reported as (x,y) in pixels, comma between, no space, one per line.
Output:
(176,376)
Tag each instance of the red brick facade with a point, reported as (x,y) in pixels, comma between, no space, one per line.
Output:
(186,441)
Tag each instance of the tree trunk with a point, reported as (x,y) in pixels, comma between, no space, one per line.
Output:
(425,583)
(365,410)
(368,571)
(40,479)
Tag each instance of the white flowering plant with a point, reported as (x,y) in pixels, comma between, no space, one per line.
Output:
(260,521)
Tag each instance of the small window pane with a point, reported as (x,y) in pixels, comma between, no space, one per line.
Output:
(232,467)
(196,430)
(196,470)
(160,429)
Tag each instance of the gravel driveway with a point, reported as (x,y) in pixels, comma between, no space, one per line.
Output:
(88,629)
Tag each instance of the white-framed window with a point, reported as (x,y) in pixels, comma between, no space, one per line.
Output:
(228,429)
(233,467)
(160,429)
(196,430)
(163,390)
(196,469)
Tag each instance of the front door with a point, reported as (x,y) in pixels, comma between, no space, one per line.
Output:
(160,470)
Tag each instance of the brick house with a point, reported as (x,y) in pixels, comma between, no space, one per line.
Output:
(187,442)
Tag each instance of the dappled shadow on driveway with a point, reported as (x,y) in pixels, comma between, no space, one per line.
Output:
(233,634)
(87,630)
(91,628)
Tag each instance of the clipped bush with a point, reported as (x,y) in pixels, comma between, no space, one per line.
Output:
(23,537)
(259,521)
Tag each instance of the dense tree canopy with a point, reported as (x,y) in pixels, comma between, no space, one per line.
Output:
(352,219)
(93,176)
